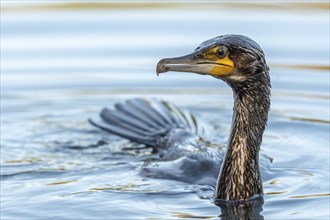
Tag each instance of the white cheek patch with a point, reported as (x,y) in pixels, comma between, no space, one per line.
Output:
(236,77)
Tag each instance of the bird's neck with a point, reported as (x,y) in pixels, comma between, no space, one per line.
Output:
(239,177)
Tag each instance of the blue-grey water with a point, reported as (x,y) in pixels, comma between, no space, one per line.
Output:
(61,63)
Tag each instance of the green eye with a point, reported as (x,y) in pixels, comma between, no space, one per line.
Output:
(221,52)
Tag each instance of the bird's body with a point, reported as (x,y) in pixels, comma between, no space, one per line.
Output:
(187,158)
(180,151)
(183,155)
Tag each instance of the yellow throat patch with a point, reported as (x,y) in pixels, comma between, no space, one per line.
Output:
(222,66)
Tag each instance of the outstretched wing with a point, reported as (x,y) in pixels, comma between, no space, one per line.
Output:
(146,122)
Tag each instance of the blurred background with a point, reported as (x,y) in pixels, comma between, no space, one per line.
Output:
(62,61)
(56,45)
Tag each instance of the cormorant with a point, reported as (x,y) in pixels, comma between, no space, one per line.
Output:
(184,156)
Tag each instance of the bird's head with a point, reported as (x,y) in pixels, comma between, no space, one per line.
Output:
(232,58)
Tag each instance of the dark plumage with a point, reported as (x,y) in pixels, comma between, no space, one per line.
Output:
(240,62)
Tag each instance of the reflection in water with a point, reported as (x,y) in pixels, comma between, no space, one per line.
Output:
(242,211)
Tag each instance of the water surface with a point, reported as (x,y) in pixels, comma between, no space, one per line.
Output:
(60,64)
